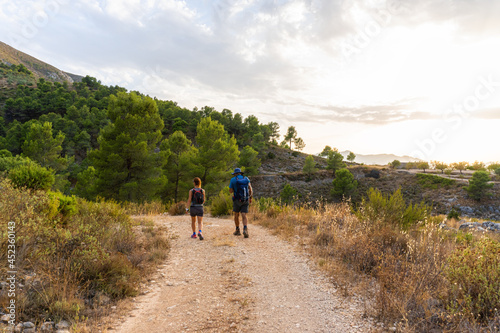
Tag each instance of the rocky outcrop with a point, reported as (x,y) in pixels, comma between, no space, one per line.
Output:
(484,227)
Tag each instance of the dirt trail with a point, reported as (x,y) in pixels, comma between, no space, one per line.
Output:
(232,284)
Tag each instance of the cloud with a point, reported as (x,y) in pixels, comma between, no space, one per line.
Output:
(493,114)
(369,114)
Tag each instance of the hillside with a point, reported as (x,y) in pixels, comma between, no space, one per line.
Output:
(40,69)
(281,167)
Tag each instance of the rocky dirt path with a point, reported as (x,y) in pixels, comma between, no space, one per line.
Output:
(232,284)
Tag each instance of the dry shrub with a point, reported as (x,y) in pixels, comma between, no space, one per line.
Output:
(474,275)
(154,207)
(92,251)
(406,259)
(222,204)
(178,208)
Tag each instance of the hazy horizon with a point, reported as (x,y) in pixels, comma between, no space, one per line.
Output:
(371,76)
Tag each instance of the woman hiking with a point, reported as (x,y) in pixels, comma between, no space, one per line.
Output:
(195,203)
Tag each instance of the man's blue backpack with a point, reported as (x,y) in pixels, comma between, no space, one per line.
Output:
(242,193)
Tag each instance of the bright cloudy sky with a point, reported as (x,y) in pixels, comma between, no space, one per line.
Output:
(418,78)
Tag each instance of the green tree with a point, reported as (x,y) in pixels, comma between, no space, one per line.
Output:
(478,185)
(180,162)
(258,142)
(299,144)
(411,165)
(127,166)
(86,186)
(249,161)
(493,166)
(284,144)
(218,152)
(334,161)
(394,164)
(309,166)
(344,184)
(440,166)
(41,146)
(423,165)
(326,151)
(274,132)
(460,166)
(351,157)
(290,136)
(477,165)
(497,171)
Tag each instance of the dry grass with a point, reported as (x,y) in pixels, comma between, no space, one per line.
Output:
(73,265)
(147,208)
(399,272)
(224,241)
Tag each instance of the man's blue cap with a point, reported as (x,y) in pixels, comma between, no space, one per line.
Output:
(237,170)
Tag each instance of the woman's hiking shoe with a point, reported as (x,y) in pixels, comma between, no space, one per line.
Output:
(193,236)
(200,236)
(245,233)
(237,232)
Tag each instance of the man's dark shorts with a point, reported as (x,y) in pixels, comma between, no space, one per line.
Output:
(240,206)
(196,210)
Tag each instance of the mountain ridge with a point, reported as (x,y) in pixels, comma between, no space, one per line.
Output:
(40,69)
(380,159)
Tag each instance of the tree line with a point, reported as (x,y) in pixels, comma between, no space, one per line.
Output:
(103,141)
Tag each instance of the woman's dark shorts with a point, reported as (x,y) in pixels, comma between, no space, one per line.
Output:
(196,210)
(240,206)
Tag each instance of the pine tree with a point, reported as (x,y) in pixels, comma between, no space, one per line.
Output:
(180,163)
(41,146)
(128,165)
(309,166)
(217,152)
(249,161)
(478,185)
(334,161)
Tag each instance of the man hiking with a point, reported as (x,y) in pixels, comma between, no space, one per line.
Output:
(241,189)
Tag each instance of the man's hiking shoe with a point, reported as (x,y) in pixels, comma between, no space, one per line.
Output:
(245,233)
(237,232)
(200,236)
(193,236)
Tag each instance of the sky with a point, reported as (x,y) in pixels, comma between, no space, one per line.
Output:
(418,78)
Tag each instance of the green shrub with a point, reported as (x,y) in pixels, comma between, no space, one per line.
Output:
(263,204)
(10,162)
(32,176)
(271,155)
(5,153)
(497,172)
(343,184)
(392,209)
(473,273)
(295,153)
(66,205)
(222,204)
(433,181)
(478,185)
(288,194)
(453,214)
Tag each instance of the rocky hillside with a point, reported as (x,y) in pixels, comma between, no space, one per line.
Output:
(40,69)
(280,167)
